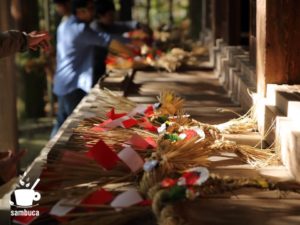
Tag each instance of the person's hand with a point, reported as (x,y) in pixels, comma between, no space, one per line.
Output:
(147,29)
(8,161)
(38,39)
(137,43)
(120,49)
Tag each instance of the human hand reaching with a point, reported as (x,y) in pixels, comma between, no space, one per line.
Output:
(8,161)
(38,39)
(120,49)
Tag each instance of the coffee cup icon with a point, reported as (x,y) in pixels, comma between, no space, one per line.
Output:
(25,197)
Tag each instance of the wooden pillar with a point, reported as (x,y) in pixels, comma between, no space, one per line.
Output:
(195,11)
(227,18)
(148,8)
(171,17)
(252,35)
(208,5)
(217,18)
(232,22)
(126,10)
(204,13)
(278,46)
(8,112)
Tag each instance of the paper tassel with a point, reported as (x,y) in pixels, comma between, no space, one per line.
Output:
(131,159)
(127,199)
(103,155)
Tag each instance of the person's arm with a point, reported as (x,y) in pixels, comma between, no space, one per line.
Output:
(16,41)
(11,42)
(8,161)
(101,39)
(125,26)
(95,26)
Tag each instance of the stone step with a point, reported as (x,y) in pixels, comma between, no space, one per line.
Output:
(288,141)
(272,89)
(271,112)
(284,99)
(253,139)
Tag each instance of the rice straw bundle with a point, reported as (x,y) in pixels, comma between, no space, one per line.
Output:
(183,154)
(114,138)
(248,154)
(170,103)
(110,100)
(174,157)
(150,180)
(51,197)
(162,201)
(220,184)
(77,169)
(243,124)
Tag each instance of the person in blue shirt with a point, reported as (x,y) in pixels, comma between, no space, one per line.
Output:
(63,8)
(75,50)
(105,22)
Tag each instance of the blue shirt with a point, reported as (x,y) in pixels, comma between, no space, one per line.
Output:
(75,45)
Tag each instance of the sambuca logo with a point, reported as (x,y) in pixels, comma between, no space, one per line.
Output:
(25,195)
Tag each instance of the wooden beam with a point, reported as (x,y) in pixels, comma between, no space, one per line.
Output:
(278,46)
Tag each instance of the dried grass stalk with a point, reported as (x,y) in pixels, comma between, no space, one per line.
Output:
(183,154)
(243,124)
(170,103)
(248,154)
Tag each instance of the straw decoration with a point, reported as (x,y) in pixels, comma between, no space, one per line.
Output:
(183,144)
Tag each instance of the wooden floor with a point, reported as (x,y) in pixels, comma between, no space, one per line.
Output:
(204,95)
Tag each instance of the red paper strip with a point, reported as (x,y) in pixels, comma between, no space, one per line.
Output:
(146,124)
(191,178)
(190,134)
(168,182)
(103,155)
(99,197)
(112,115)
(151,142)
(146,202)
(149,111)
(138,141)
(129,123)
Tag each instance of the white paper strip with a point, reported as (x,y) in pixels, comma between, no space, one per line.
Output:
(131,158)
(117,122)
(126,199)
(162,128)
(139,109)
(59,210)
